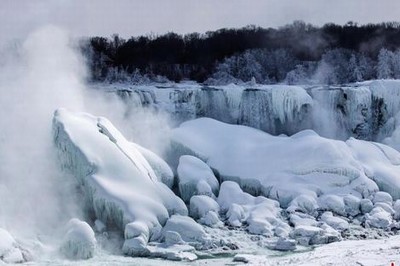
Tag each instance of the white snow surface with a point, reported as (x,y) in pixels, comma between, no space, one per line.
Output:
(120,185)
(283,168)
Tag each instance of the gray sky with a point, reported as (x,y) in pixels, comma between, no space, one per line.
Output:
(135,17)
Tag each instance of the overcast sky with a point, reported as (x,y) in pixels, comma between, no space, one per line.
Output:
(135,17)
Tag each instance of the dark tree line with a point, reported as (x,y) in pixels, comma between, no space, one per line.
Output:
(293,53)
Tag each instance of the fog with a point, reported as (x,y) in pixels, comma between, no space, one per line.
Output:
(41,74)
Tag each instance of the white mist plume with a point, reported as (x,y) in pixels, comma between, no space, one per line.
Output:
(46,74)
(43,74)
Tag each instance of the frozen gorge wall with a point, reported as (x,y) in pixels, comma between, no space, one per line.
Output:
(365,110)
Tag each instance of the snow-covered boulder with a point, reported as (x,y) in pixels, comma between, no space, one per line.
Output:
(235,215)
(195,178)
(10,251)
(79,241)
(119,184)
(378,218)
(366,205)
(205,210)
(304,203)
(187,228)
(335,222)
(332,203)
(200,205)
(281,167)
(352,205)
(396,208)
(381,196)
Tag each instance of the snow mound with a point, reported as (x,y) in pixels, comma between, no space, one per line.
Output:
(283,168)
(119,184)
(195,178)
(79,241)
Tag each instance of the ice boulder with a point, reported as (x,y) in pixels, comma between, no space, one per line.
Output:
(381,196)
(366,205)
(195,178)
(335,222)
(205,210)
(352,205)
(304,203)
(10,251)
(187,228)
(79,241)
(378,218)
(119,184)
(332,203)
(200,205)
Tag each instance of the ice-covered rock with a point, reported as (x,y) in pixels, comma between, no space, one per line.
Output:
(10,251)
(79,241)
(352,205)
(285,244)
(335,222)
(235,215)
(332,203)
(381,196)
(304,203)
(120,186)
(186,227)
(378,218)
(200,205)
(366,205)
(211,219)
(195,178)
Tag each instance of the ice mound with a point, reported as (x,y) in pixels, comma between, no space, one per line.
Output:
(10,252)
(119,184)
(284,168)
(195,178)
(79,241)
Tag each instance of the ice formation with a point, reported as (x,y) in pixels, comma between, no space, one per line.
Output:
(119,185)
(79,241)
(195,178)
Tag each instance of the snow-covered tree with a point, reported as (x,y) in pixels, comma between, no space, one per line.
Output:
(384,68)
(353,70)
